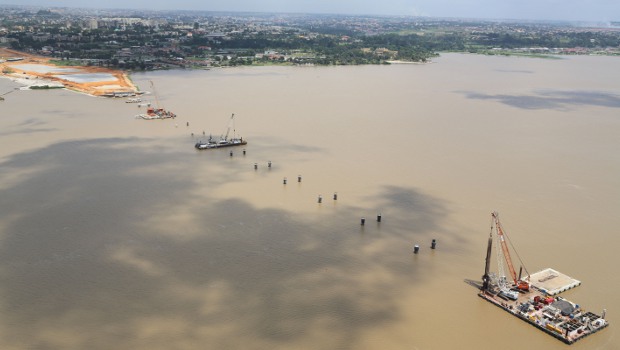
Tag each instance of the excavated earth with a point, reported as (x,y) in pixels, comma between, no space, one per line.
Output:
(113,81)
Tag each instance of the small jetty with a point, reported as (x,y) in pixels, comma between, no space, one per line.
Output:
(534,298)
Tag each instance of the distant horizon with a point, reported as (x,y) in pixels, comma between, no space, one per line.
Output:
(596,11)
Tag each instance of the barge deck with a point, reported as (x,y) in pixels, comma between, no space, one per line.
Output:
(556,316)
(534,299)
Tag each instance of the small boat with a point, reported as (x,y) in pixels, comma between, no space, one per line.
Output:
(224,141)
(133,100)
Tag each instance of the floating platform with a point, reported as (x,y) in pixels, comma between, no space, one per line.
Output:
(556,316)
(219,144)
(534,299)
(552,282)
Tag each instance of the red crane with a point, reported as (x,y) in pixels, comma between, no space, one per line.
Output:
(519,283)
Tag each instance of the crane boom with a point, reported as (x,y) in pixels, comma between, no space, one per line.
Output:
(523,285)
(155,93)
(486,278)
(502,242)
(229,125)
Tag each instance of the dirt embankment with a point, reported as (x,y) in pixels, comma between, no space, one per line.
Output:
(14,62)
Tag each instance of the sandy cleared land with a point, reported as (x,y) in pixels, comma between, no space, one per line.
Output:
(116,82)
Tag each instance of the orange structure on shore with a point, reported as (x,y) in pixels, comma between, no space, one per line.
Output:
(14,64)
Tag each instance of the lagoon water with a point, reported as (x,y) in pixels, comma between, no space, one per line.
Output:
(115,233)
(41,68)
(87,77)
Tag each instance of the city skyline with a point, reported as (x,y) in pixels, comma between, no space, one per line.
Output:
(556,10)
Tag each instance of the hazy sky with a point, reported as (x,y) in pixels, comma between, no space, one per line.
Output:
(586,10)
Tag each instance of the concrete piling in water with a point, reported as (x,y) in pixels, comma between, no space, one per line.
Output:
(269,164)
(320,200)
(335,196)
(255,166)
(298,178)
(379,217)
(363,221)
(284,181)
(244,151)
(433,244)
(231,153)
(416,249)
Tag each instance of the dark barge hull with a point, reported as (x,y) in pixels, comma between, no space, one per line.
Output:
(202,146)
(552,333)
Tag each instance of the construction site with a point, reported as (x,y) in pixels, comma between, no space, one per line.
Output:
(37,72)
(535,298)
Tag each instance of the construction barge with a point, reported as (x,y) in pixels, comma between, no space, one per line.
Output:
(534,299)
(152,113)
(224,140)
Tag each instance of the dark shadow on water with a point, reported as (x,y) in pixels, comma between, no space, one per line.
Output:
(92,250)
(552,99)
(474,283)
(415,216)
(29,126)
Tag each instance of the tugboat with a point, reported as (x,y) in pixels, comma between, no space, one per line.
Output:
(224,141)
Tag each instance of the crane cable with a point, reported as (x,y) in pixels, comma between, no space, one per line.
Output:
(517,253)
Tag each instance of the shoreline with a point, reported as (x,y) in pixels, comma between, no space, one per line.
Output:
(407,62)
(121,85)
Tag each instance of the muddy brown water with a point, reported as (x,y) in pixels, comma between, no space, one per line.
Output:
(115,233)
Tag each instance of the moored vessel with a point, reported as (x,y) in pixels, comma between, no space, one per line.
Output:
(157,112)
(534,299)
(224,140)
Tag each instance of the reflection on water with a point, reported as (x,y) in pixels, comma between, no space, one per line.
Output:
(117,233)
